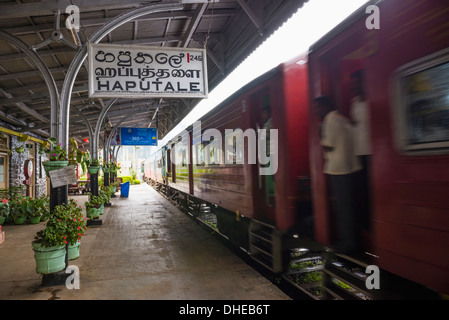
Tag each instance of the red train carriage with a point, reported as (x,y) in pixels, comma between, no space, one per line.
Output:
(406,81)
(405,65)
(221,171)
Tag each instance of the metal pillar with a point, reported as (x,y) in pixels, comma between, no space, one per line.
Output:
(96,136)
(72,72)
(46,74)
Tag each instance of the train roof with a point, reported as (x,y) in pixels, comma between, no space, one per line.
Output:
(342,26)
(253,83)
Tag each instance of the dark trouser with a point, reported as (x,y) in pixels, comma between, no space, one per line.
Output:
(342,187)
(363,194)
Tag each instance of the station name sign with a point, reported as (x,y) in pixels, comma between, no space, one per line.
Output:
(125,71)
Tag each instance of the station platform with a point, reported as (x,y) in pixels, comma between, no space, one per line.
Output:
(145,249)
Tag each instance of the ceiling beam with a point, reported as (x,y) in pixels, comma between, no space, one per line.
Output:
(43,8)
(100,21)
(24,74)
(193,24)
(22,106)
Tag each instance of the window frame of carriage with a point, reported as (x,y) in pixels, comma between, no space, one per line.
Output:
(400,102)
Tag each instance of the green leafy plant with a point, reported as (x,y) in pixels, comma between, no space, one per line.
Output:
(76,224)
(4,208)
(94,201)
(57,153)
(41,207)
(95,163)
(115,184)
(42,148)
(106,192)
(66,226)
(112,166)
(21,206)
(20,149)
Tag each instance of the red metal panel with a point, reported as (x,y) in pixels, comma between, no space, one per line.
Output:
(293,126)
(227,185)
(409,213)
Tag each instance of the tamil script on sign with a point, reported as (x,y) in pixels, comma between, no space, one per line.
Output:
(142,72)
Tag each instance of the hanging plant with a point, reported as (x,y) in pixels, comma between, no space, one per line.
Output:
(20,149)
(43,148)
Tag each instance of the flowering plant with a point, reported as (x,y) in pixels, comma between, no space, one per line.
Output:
(112,166)
(94,201)
(20,206)
(57,153)
(105,192)
(4,208)
(66,226)
(42,206)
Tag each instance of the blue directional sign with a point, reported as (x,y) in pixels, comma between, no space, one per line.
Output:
(138,136)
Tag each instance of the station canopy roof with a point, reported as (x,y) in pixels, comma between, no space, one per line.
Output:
(233,29)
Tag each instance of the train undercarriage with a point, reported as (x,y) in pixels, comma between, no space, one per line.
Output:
(308,268)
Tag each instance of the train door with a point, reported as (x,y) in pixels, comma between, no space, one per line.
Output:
(356,99)
(263,185)
(190,162)
(173,163)
(335,71)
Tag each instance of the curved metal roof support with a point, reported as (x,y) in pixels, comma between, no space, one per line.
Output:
(114,129)
(77,62)
(46,74)
(115,156)
(89,127)
(96,136)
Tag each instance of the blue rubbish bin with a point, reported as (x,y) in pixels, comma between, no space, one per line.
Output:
(124,189)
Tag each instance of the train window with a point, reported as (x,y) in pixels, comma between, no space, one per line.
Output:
(199,154)
(213,152)
(234,147)
(184,156)
(168,161)
(423,104)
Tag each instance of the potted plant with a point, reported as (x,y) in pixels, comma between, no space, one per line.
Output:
(43,148)
(49,244)
(76,227)
(4,210)
(94,166)
(21,149)
(106,167)
(36,210)
(114,186)
(21,207)
(42,204)
(61,236)
(94,207)
(58,157)
(105,192)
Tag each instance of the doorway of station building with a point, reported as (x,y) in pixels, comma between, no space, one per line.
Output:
(4,162)
(29,170)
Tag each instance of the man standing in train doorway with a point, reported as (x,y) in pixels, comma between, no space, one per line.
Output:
(362,145)
(340,166)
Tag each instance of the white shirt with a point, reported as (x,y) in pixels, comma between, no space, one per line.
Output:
(337,133)
(360,115)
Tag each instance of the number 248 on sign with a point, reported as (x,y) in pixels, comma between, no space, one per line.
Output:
(191,57)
